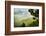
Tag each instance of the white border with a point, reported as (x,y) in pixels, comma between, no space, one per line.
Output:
(26,28)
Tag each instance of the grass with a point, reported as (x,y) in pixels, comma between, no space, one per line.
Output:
(28,22)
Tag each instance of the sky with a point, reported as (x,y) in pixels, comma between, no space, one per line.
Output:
(22,13)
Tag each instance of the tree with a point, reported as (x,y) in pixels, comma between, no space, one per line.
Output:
(31,11)
(36,14)
(23,25)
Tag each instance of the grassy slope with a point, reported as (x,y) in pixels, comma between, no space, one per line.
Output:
(26,21)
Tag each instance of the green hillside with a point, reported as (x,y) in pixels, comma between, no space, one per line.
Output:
(27,22)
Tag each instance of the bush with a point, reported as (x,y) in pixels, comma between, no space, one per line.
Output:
(23,25)
(34,23)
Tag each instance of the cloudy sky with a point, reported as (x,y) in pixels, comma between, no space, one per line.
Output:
(22,13)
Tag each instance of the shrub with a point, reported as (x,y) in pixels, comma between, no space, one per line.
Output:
(34,23)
